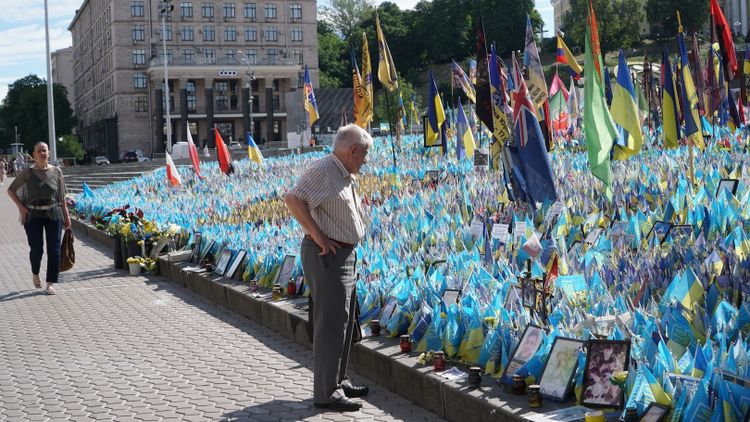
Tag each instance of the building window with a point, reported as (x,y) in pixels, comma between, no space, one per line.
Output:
(208,10)
(136,8)
(231,55)
(167,34)
(252,56)
(270,10)
(209,33)
(187,56)
(276,103)
(250,11)
(186,32)
(297,56)
(139,33)
(251,34)
(271,52)
(139,80)
(297,33)
(230,33)
(210,55)
(186,9)
(228,10)
(191,98)
(141,103)
(295,11)
(139,56)
(270,33)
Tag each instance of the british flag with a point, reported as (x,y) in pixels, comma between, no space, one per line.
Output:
(522,106)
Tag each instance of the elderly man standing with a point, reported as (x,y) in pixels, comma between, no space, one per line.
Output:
(326,205)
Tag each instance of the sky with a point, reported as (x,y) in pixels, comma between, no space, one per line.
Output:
(22,46)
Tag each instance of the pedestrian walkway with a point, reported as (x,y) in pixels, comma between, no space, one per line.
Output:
(110,346)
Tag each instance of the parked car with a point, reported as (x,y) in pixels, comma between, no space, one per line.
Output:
(101,160)
(133,156)
(235,145)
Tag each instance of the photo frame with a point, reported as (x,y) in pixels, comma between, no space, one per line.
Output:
(603,359)
(196,247)
(729,184)
(556,382)
(528,293)
(660,229)
(438,142)
(532,338)
(451,296)
(235,264)
(432,176)
(655,412)
(285,272)
(205,250)
(223,261)
(481,158)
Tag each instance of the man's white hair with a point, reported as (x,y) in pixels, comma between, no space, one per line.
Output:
(351,135)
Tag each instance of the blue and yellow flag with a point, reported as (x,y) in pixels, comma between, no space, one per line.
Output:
(461,80)
(311,106)
(463,131)
(253,152)
(689,98)
(625,112)
(386,67)
(669,105)
(414,110)
(435,113)
(566,57)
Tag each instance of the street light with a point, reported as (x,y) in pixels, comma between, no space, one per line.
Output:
(50,97)
(165,11)
(249,82)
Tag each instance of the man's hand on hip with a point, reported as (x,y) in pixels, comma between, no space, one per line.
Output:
(326,244)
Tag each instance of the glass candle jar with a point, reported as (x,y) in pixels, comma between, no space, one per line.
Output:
(438,361)
(375,327)
(276,292)
(535,396)
(405,343)
(519,386)
(475,377)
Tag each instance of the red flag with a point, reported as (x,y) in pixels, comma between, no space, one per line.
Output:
(173,176)
(225,160)
(723,31)
(193,151)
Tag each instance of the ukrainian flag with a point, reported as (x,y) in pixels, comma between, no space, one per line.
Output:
(687,290)
(669,105)
(253,152)
(689,98)
(311,106)
(464,132)
(625,112)
(435,114)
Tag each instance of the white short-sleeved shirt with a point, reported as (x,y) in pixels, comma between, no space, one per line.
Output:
(329,191)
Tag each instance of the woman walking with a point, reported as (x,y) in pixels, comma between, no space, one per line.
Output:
(39,194)
(2,171)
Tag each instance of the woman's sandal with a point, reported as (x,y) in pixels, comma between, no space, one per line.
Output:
(50,289)
(37,282)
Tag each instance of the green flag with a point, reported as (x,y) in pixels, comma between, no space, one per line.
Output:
(598,127)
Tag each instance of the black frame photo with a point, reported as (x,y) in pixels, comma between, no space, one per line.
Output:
(729,184)
(556,382)
(531,340)
(235,264)
(655,412)
(451,296)
(206,250)
(604,358)
(223,261)
(285,271)
(197,239)
(529,293)
(438,141)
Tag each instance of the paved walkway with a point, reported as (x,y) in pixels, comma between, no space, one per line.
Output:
(110,346)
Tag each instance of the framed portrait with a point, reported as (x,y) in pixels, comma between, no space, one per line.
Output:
(235,264)
(728,184)
(655,412)
(451,296)
(528,293)
(481,158)
(285,272)
(660,229)
(604,358)
(558,373)
(223,261)
(195,253)
(205,250)
(530,341)
(438,141)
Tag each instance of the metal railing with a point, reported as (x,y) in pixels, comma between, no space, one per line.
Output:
(224,61)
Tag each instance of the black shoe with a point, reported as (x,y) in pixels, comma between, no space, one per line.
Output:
(352,391)
(344,404)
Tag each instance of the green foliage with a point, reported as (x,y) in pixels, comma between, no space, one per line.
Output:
(345,16)
(381,107)
(333,58)
(25,107)
(662,16)
(70,147)
(619,23)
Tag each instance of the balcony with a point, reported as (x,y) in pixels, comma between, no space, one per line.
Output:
(199,60)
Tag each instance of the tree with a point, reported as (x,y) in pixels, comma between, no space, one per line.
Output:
(662,16)
(25,107)
(382,108)
(70,146)
(333,58)
(619,23)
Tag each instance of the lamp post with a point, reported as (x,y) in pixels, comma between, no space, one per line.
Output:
(249,82)
(50,96)
(164,11)
(737,25)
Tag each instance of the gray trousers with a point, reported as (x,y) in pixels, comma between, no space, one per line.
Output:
(332,286)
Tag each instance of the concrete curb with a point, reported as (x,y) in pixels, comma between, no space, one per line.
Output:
(377,358)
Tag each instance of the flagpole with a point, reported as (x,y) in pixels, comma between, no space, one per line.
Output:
(390,127)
